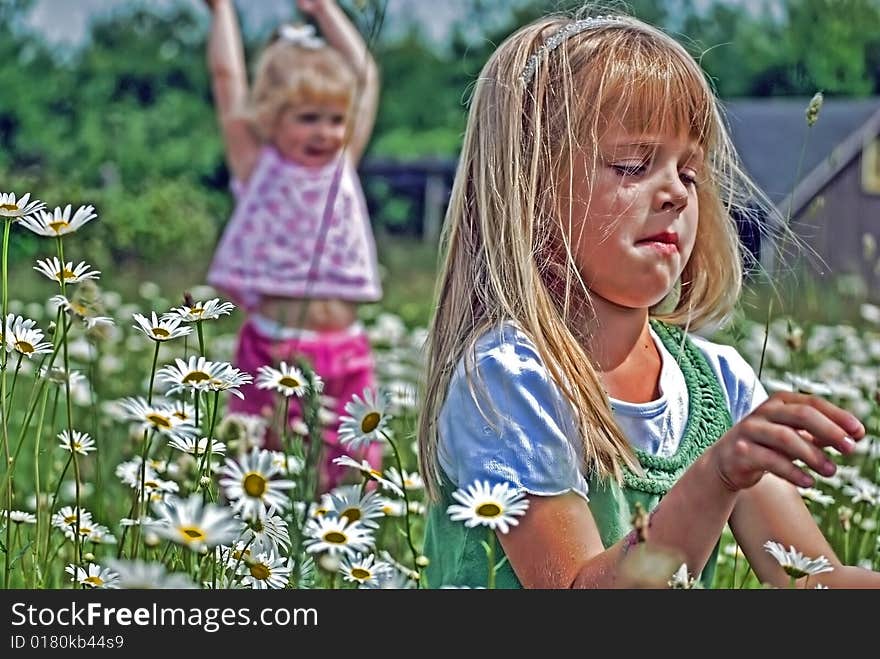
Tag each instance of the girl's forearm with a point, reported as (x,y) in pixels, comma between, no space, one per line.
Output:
(689,520)
(843,576)
(225,50)
(340,33)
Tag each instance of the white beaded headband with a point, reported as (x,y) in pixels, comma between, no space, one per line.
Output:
(558,37)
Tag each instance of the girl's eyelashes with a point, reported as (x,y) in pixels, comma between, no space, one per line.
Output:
(688,176)
(630,169)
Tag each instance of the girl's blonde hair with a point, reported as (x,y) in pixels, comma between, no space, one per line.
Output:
(507,255)
(288,75)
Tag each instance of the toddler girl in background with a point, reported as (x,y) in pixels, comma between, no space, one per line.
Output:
(588,236)
(298,254)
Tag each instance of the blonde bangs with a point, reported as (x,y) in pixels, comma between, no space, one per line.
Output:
(652,88)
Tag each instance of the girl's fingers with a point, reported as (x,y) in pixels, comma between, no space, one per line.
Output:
(791,445)
(850,424)
(774,462)
(824,429)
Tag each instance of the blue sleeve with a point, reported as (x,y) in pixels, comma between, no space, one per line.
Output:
(742,389)
(507,420)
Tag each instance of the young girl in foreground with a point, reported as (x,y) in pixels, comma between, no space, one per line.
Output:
(589,233)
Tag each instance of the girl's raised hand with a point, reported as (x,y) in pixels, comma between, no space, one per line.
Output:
(786,427)
(312,6)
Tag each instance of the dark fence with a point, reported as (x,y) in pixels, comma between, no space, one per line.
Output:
(408,198)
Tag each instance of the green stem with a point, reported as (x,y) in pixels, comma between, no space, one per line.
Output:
(409,540)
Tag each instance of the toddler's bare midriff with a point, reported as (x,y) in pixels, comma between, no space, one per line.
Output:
(312,314)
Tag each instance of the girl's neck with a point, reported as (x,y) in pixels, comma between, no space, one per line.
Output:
(625,355)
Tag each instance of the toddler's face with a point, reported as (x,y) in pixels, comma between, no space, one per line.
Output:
(634,216)
(310,134)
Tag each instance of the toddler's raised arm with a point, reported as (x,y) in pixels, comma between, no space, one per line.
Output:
(340,33)
(230,87)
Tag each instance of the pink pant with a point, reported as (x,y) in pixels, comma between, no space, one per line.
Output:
(345,362)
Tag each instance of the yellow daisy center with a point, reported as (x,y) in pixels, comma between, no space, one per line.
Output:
(370,422)
(94,580)
(196,312)
(58,226)
(12,208)
(335,538)
(254,484)
(353,514)
(288,381)
(68,274)
(192,533)
(70,519)
(375,474)
(260,571)
(489,509)
(160,332)
(196,376)
(77,445)
(360,573)
(24,347)
(159,420)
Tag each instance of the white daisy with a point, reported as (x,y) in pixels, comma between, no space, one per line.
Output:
(195,525)
(58,222)
(80,311)
(366,421)
(794,563)
(210,310)
(13,210)
(410,481)
(347,502)
(268,534)
(336,535)
(93,576)
(159,418)
(681,580)
(160,330)
(495,506)
(249,487)
(59,376)
(265,570)
(287,380)
(80,442)
(816,496)
(66,517)
(141,575)
(195,374)
(289,465)
(66,273)
(230,380)
(23,337)
(367,471)
(20,517)
(365,570)
(197,447)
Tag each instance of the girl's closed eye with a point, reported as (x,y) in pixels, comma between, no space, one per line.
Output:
(308,117)
(630,168)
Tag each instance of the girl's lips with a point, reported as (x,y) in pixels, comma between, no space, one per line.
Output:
(664,237)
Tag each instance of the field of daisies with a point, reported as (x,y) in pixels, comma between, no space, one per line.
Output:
(122,468)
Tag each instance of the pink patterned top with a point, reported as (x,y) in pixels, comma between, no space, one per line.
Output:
(279,242)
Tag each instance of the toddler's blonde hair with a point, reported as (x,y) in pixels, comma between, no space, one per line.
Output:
(289,75)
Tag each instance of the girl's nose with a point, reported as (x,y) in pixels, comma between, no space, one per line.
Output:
(672,195)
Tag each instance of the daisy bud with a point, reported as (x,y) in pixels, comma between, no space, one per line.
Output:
(151,539)
(205,482)
(88,556)
(423,561)
(329,563)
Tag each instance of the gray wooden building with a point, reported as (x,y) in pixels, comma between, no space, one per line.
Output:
(833,200)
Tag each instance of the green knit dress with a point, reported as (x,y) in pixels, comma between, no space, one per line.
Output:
(457,554)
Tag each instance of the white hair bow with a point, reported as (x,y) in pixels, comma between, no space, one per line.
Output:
(301,35)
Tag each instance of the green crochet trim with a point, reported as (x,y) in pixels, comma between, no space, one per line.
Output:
(708,416)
